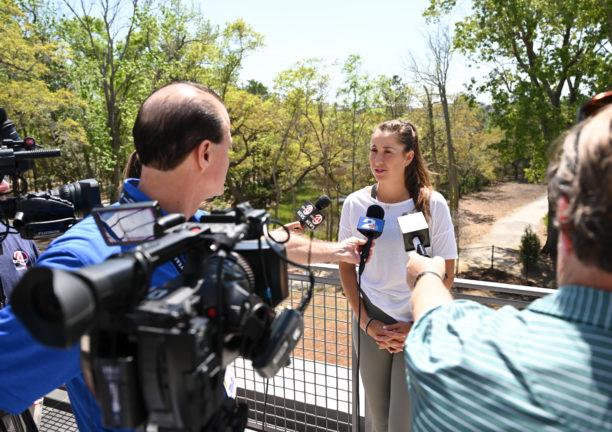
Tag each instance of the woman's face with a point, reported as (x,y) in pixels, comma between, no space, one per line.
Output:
(387,158)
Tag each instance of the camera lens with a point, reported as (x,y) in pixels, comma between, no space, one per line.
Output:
(45,303)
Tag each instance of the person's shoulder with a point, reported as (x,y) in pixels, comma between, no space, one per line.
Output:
(81,245)
(358,197)
(438,204)
(437,198)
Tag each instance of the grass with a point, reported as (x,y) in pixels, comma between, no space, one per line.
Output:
(304,193)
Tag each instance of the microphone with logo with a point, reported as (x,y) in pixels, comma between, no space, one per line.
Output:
(310,215)
(415,231)
(370,226)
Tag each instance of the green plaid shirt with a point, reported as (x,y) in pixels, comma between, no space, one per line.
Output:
(546,368)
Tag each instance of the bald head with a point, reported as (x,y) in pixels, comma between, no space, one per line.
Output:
(174,120)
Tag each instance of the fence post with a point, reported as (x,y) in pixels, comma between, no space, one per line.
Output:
(492,250)
(355,415)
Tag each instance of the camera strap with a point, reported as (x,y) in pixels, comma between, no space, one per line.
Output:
(126,198)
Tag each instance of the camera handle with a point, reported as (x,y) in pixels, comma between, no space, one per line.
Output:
(285,333)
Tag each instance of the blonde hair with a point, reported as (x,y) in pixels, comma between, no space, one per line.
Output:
(584,176)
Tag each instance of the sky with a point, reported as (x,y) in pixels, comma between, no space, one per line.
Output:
(382,32)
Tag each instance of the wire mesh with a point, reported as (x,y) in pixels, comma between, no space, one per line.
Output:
(314,392)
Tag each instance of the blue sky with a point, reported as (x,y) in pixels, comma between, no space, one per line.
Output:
(382,32)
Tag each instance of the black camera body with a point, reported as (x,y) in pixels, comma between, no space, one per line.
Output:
(39,214)
(158,355)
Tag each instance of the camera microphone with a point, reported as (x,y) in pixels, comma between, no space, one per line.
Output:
(415,231)
(309,215)
(370,226)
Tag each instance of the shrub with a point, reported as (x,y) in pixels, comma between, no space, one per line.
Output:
(529,251)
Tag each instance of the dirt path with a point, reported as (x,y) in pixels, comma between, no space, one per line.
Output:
(479,211)
(507,231)
(498,217)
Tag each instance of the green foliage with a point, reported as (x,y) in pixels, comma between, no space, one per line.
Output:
(547,57)
(89,73)
(530,248)
(256,88)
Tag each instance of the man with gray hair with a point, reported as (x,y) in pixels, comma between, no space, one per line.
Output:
(549,366)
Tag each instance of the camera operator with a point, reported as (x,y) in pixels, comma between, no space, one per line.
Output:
(16,256)
(182,138)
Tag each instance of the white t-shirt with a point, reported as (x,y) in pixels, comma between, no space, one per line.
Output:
(384,277)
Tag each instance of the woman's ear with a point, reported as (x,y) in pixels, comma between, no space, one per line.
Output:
(409,158)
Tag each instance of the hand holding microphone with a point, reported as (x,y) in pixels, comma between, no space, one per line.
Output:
(309,215)
(415,231)
(420,265)
(370,226)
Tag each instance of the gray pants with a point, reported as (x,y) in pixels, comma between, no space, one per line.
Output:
(384,381)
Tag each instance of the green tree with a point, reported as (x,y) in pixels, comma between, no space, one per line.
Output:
(546,56)
(237,41)
(435,74)
(394,96)
(32,99)
(306,89)
(357,97)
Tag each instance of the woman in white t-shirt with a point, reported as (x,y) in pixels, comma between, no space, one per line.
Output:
(403,186)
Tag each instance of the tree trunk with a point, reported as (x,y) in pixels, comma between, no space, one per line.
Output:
(452,166)
(432,141)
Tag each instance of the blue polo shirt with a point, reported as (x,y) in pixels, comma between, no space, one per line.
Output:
(28,369)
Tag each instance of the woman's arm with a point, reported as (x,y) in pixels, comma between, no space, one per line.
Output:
(348,278)
(386,337)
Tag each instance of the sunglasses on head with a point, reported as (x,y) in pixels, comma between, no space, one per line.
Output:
(594,104)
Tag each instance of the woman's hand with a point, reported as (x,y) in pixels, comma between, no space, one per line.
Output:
(389,336)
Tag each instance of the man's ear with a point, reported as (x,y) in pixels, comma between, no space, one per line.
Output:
(203,153)
(565,240)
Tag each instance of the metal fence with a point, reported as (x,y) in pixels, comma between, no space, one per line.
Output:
(315,392)
(496,257)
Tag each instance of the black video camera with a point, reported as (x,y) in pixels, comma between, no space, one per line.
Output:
(158,355)
(38,214)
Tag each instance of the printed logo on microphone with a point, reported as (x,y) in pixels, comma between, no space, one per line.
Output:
(308,209)
(317,219)
(304,210)
(370,224)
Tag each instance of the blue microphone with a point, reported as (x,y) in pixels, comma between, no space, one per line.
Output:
(370,226)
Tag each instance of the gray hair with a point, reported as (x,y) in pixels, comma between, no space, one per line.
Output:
(584,176)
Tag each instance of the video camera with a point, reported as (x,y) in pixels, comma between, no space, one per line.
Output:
(158,355)
(38,214)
